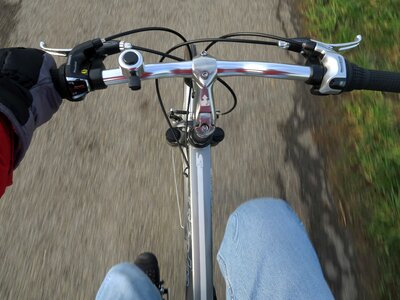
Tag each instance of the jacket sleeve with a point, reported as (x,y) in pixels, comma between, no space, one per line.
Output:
(6,153)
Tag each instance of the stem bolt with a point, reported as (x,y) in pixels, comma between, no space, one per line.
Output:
(204,75)
(204,128)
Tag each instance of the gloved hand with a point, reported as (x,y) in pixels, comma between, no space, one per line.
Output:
(27,94)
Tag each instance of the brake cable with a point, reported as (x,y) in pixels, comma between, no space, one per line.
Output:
(157,53)
(255,34)
(144,29)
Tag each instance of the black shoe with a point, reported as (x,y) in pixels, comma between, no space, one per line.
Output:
(147,262)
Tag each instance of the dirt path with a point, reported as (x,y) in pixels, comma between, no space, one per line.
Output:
(96,187)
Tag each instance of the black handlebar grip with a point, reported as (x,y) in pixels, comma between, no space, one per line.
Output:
(60,84)
(362,79)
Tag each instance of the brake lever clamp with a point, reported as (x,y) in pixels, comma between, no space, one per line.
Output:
(335,74)
(82,72)
(333,79)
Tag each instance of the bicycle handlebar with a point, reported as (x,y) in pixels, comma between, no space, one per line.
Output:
(327,71)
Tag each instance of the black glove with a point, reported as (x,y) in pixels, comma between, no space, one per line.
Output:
(27,94)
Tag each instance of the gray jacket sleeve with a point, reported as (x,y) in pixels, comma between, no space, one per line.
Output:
(45,102)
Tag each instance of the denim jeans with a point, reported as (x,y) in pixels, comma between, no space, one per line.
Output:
(265,254)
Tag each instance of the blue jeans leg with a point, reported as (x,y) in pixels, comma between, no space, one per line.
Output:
(126,281)
(266,254)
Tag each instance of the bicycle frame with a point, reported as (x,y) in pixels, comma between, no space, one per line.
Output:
(201,222)
(198,223)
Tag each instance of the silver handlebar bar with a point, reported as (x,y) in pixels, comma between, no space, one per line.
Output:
(224,69)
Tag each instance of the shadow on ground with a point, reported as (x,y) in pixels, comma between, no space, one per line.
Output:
(330,238)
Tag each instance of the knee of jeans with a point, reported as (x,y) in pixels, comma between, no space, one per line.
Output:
(127,281)
(260,209)
(123,274)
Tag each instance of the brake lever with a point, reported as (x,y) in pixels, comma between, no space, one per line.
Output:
(54,51)
(65,52)
(307,46)
(321,46)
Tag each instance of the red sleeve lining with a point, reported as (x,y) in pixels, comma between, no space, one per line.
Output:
(6,153)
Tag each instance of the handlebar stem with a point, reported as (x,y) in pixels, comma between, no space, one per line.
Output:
(204,69)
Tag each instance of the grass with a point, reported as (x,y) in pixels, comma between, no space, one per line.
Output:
(367,161)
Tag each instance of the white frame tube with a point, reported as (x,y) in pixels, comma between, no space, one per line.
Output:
(201,222)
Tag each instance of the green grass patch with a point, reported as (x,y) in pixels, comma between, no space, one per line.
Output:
(370,161)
